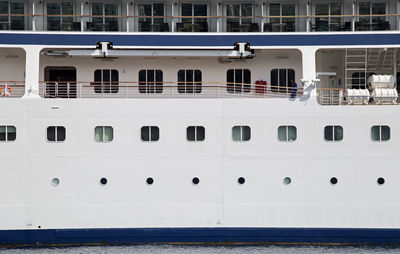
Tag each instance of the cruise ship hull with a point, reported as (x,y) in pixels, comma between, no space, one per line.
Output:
(219,209)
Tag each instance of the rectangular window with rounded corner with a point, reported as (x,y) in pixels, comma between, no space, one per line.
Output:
(287,133)
(150,81)
(7,133)
(241,133)
(380,133)
(56,133)
(282,79)
(189,81)
(333,133)
(238,81)
(106,81)
(195,133)
(150,133)
(104,134)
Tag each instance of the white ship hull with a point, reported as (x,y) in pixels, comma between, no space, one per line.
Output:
(218,204)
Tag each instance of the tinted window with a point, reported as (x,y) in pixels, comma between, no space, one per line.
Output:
(238,81)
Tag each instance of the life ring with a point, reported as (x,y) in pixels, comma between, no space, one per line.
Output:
(5,90)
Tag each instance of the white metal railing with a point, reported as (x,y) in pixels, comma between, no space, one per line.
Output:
(163,90)
(12,89)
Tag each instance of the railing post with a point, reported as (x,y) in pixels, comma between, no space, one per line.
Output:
(127,17)
(33,16)
(173,22)
(82,18)
(353,19)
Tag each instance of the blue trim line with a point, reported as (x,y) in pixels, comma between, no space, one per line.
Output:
(199,235)
(223,40)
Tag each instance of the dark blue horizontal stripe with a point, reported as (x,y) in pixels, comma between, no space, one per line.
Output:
(225,40)
(199,235)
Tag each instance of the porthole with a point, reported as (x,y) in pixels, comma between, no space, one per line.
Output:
(149,181)
(334,180)
(241,180)
(103,181)
(381,180)
(195,180)
(287,181)
(55,182)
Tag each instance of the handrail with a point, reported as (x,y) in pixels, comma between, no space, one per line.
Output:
(135,89)
(177,83)
(204,17)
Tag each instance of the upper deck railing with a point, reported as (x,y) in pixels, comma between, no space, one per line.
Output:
(129,89)
(130,23)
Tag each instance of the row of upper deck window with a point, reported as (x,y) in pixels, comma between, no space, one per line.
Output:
(152,17)
(188,81)
(240,133)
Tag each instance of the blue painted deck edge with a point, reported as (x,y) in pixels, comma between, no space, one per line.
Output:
(223,40)
(198,235)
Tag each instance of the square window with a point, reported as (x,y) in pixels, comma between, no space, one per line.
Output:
(195,133)
(189,81)
(56,133)
(238,80)
(150,133)
(150,81)
(287,133)
(241,133)
(104,133)
(8,133)
(333,133)
(380,133)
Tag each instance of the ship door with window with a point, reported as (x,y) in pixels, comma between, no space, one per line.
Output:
(60,82)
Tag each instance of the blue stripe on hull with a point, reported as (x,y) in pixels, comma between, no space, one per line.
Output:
(152,40)
(199,235)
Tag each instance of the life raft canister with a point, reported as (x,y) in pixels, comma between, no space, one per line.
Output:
(5,90)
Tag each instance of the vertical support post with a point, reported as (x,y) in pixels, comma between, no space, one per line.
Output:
(82,19)
(353,20)
(218,17)
(127,17)
(309,73)
(308,20)
(32,61)
(397,17)
(173,21)
(262,17)
(33,16)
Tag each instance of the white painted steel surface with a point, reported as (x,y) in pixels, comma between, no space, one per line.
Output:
(30,163)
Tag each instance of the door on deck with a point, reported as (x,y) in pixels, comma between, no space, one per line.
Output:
(60,82)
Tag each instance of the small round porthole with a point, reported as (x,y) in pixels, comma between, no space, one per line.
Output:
(195,180)
(334,180)
(241,180)
(149,181)
(381,180)
(103,181)
(55,182)
(287,181)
